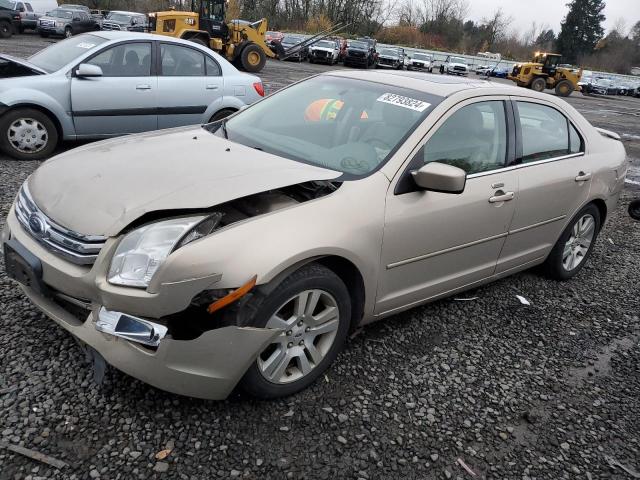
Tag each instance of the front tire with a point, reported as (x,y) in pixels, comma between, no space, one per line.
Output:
(68,32)
(252,58)
(6,30)
(312,307)
(564,88)
(27,134)
(573,248)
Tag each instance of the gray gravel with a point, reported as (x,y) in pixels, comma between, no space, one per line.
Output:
(546,391)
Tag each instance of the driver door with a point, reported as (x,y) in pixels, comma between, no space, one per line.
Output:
(124,99)
(435,243)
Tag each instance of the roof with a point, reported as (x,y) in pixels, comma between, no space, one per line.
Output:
(442,85)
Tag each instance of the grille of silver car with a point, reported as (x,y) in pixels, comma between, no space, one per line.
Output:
(47,23)
(76,247)
(110,26)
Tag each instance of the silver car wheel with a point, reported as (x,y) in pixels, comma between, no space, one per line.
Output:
(27,135)
(576,248)
(310,323)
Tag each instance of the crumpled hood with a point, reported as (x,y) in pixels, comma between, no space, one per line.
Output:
(8,64)
(99,189)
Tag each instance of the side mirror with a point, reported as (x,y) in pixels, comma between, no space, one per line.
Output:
(440,177)
(86,70)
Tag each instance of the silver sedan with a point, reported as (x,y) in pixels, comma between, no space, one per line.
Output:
(104,84)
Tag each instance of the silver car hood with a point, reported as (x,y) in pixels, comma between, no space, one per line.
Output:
(21,62)
(100,188)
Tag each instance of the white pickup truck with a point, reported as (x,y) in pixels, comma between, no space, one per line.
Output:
(454,66)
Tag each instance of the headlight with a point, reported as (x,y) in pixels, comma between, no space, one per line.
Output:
(59,24)
(143,250)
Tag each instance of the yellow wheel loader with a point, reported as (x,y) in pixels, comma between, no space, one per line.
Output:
(544,72)
(239,41)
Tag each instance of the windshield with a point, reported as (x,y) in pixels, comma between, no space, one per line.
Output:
(57,13)
(292,39)
(421,56)
(325,44)
(119,17)
(358,44)
(456,60)
(390,52)
(7,5)
(347,125)
(59,54)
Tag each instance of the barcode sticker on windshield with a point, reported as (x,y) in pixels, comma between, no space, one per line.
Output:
(86,45)
(406,102)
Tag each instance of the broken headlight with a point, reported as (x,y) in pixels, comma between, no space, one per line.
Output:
(142,251)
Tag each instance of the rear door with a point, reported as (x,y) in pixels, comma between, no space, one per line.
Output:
(189,82)
(124,99)
(554,176)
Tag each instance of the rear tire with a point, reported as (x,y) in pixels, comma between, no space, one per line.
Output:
(574,247)
(199,41)
(298,349)
(538,84)
(564,88)
(6,30)
(27,134)
(252,58)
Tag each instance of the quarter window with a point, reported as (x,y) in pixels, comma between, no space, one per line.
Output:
(474,138)
(213,69)
(181,61)
(125,60)
(545,132)
(576,144)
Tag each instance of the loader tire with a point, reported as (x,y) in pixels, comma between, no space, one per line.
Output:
(538,84)
(252,58)
(564,88)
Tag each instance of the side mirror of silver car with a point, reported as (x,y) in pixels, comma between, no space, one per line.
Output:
(88,70)
(440,177)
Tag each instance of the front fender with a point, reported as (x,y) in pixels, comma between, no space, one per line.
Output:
(55,100)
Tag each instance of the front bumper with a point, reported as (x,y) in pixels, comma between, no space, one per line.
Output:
(51,30)
(208,366)
(362,61)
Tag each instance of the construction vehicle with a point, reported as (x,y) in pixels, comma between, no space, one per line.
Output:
(239,41)
(544,72)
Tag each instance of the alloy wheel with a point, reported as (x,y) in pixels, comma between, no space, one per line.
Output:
(309,322)
(576,248)
(27,135)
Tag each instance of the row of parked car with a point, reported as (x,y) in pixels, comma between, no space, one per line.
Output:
(599,85)
(48,18)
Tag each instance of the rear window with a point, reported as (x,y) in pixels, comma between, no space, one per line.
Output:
(59,54)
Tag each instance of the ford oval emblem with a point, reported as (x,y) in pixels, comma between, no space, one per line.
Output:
(37,225)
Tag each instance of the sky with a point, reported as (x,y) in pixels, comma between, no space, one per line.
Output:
(551,12)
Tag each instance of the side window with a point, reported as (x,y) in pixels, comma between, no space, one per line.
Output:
(19,5)
(29,8)
(474,138)
(181,61)
(169,25)
(576,144)
(213,69)
(125,60)
(545,132)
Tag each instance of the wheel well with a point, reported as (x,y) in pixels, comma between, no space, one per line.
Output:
(602,208)
(44,110)
(200,35)
(230,109)
(352,278)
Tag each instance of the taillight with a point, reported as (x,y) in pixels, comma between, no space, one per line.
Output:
(259,88)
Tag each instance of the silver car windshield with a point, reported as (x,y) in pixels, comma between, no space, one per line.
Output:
(421,56)
(457,60)
(325,44)
(59,54)
(119,17)
(352,126)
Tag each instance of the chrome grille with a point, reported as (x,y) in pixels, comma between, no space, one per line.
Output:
(47,23)
(76,247)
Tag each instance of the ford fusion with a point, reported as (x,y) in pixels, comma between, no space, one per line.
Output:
(338,201)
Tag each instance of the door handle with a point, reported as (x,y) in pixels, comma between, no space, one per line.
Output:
(501,197)
(212,87)
(143,87)
(583,177)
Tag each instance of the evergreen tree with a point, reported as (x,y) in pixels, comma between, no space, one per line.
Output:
(581,29)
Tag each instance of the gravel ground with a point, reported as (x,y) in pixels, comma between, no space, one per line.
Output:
(546,391)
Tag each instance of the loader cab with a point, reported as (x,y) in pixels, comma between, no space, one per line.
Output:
(549,62)
(212,13)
